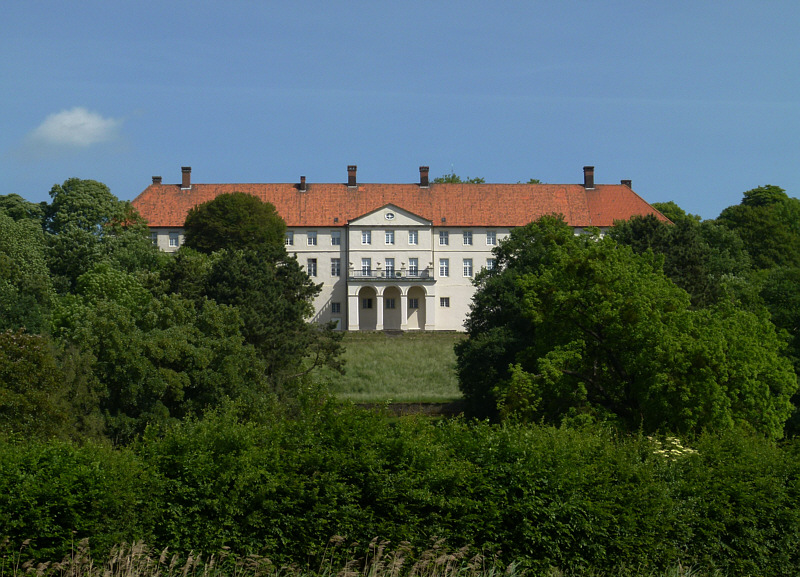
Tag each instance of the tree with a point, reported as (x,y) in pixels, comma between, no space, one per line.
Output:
(18,208)
(33,399)
(580,327)
(233,221)
(768,221)
(274,296)
(453,178)
(700,257)
(26,292)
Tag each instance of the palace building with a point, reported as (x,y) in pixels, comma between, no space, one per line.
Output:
(397,256)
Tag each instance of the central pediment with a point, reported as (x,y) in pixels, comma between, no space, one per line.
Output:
(389,215)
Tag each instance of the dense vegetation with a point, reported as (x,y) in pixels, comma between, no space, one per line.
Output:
(641,390)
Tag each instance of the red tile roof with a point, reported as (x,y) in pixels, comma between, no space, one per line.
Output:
(500,205)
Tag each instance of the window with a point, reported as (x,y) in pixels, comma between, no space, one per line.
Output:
(413,303)
(491,238)
(336,308)
(491,263)
(389,237)
(312,238)
(311,267)
(366,237)
(336,237)
(467,267)
(154,238)
(389,303)
(413,266)
(444,238)
(366,303)
(413,237)
(289,238)
(444,302)
(467,237)
(336,267)
(389,267)
(444,267)
(174,239)
(366,266)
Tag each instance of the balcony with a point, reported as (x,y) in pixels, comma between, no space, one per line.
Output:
(398,274)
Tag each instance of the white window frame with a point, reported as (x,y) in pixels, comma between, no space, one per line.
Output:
(336,238)
(467,238)
(366,303)
(174,239)
(311,267)
(413,237)
(154,238)
(390,303)
(336,308)
(444,302)
(468,267)
(444,238)
(413,303)
(311,238)
(336,267)
(389,267)
(491,263)
(389,237)
(366,267)
(444,267)
(413,266)
(366,237)
(289,238)
(491,238)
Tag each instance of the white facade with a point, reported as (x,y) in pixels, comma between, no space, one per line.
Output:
(386,270)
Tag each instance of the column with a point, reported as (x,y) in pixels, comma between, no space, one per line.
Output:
(352,312)
(430,312)
(379,304)
(403,311)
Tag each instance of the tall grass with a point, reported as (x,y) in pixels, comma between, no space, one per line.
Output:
(138,560)
(400,367)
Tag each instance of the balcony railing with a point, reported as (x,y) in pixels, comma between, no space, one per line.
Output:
(423,274)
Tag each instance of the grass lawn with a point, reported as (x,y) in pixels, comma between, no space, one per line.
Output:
(398,367)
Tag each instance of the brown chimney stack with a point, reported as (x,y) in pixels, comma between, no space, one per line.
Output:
(302,184)
(186,182)
(588,177)
(424,182)
(351,175)
(628,183)
(156,180)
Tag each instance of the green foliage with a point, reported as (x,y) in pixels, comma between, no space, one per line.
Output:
(233,221)
(577,326)
(704,259)
(578,500)
(274,297)
(16,207)
(768,221)
(26,292)
(453,178)
(55,494)
(33,398)
(675,213)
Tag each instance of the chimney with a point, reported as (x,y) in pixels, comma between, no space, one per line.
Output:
(186,183)
(351,175)
(588,177)
(156,180)
(302,184)
(423,176)
(627,183)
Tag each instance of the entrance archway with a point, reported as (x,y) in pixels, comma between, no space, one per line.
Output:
(367,309)
(416,308)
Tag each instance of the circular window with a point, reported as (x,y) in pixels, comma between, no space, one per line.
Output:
(389,216)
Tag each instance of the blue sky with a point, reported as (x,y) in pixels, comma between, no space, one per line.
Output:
(693,101)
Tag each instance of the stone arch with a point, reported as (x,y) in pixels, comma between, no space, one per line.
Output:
(367,309)
(416,314)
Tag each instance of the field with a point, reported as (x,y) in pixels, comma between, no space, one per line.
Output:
(398,367)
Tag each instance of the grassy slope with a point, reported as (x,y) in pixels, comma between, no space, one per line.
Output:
(403,367)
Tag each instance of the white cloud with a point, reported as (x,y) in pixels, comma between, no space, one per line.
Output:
(78,127)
